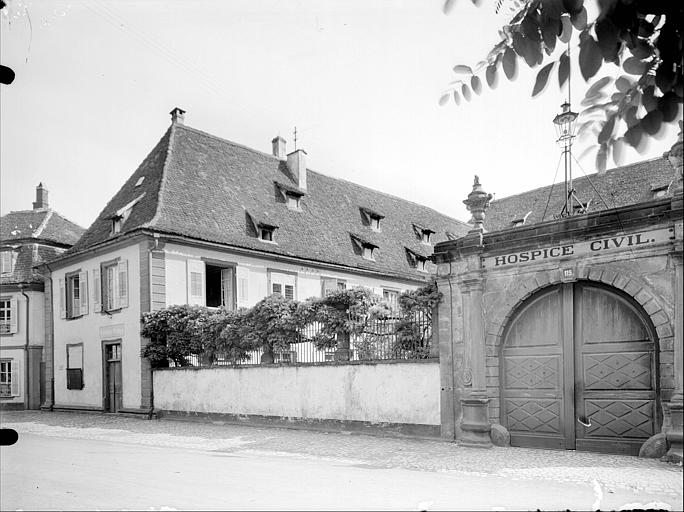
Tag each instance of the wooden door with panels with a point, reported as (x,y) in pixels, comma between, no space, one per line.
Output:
(113,378)
(579,371)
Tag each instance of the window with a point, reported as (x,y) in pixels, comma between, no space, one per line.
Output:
(220,286)
(423,234)
(6,379)
(416,260)
(421,263)
(292,200)
(266,234)
(114,292)
(117,222)
(8,315)
(391,297)
(75,366)
(371,218)
(73,291)
(368,252)
(282,284)
(6,262)
(332,284)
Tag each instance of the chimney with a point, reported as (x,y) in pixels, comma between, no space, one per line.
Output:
(41,197)
(279,147)
(177,115)
(296,162)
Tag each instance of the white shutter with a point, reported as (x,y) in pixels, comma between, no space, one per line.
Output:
(97,291)
(83,292)
(14,316)
(15,389)
(122,279)
(328,285)
(243,286)
(195,282)
(227,287)
(62,299)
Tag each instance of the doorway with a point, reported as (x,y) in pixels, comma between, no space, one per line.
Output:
(113,382)
(579,371)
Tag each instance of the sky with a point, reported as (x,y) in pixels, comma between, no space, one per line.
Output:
(359,79)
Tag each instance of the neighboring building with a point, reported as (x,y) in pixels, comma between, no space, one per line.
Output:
(568,331)
(27,238)
(210,222)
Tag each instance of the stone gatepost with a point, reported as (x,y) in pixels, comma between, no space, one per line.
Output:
(461,332)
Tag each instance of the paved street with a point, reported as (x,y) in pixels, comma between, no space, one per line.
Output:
(91,461)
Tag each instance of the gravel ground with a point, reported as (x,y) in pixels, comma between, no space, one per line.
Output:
(610,471)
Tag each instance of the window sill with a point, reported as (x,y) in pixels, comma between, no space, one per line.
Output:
(110,312)
(7,334)
(74,317)
(267,241)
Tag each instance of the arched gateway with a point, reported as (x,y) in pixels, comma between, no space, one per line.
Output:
(579,370)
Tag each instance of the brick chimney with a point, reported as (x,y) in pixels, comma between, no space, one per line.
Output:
(41,197)
(296,162)
(279,147)
(177,116)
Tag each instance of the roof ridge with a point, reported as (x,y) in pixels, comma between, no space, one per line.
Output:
(162,180)
(585,177)
(36,233)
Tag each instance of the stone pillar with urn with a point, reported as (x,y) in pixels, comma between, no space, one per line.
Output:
(475,421)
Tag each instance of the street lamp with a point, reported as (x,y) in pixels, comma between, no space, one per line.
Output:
(565,125)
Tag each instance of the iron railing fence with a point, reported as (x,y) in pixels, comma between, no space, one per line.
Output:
(386,339)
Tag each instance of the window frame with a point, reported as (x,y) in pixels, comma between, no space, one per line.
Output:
(69,279)
(394,304)
(8,377)
(271,272)
(69,367)
(7,260)
(8,316)
(222,265)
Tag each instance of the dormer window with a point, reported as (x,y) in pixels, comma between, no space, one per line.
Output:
(290,195)
(363,248)
(140,181)
(7,259)
(520,221)
(660,191)
(119,218)
(371,218)
(423,234)
(266,233)
(417,261)
(292,201)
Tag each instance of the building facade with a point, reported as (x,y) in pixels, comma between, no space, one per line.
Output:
(209,222)
(567,333)
(27,238)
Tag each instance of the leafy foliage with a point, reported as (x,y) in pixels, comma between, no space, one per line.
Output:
(644,39)
(414,330)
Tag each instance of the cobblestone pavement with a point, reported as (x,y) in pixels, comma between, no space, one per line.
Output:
(609,471)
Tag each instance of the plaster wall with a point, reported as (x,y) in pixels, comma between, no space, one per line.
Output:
(36,320)
(253,272)
(93,328)
(383,392)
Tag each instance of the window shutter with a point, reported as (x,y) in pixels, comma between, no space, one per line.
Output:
(289,291)
(243,286)
(195,282)
(122,273)
(277,288)
(14,314)
(97,291)
(83,292)
(228,288)
(16,378)
(62,299)
(328,286)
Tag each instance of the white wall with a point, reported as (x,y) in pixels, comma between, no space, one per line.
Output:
(383,392)
(255,271)
(93,328)
(36,319)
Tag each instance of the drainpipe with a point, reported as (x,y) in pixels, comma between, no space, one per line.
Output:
(52,334)
(26,351)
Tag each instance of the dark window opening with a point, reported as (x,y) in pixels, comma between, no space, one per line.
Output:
(220,287)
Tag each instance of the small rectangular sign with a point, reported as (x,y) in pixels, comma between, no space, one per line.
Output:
(565,251)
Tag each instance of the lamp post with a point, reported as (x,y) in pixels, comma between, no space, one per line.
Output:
(565,124)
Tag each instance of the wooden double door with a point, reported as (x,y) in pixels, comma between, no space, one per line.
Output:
(579,371)
(113,379)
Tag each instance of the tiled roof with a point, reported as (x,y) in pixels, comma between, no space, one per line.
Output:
(622,186)
(29,255)
(44,224)
(200,186)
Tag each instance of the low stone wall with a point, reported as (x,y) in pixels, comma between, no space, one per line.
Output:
(403,396)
